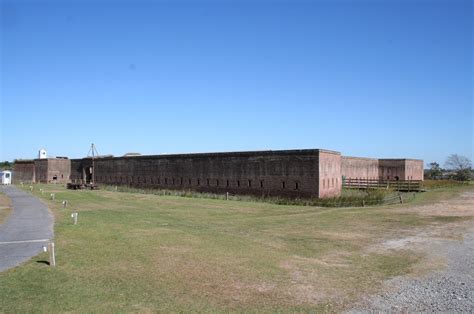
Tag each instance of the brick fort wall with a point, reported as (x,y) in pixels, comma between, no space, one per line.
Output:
(286,173)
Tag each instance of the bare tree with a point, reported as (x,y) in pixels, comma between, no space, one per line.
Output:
(460,164)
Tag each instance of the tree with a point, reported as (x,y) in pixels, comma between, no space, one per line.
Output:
(5,165)
(435,170)
(461,165)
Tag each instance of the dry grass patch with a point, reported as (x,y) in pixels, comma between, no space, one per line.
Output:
(5,208)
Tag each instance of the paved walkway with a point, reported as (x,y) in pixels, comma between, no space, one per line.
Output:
(26,230)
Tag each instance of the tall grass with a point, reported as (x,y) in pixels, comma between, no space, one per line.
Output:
(348,198)
(437,184)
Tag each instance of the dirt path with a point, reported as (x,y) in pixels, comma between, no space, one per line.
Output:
(451,287)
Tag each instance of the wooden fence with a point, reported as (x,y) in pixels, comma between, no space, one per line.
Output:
(399,185)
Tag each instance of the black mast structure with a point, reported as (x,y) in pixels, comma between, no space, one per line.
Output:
(93,154)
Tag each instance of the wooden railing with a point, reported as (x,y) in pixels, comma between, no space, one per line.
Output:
(399,185)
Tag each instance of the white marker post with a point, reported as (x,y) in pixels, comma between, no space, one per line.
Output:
(52,196)
(52,257)
(64,204)
(74,217)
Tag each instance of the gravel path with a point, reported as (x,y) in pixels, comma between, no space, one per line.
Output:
(29,220)
(448,290)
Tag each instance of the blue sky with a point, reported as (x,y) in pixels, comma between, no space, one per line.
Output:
(367,78)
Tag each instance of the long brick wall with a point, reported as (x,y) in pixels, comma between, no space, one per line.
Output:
(287,173)
(292,173)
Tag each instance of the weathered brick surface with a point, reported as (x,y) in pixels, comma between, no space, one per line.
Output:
(360,168)
(24,171)
(52,170)
(330,184)
(414,169)
(59,170)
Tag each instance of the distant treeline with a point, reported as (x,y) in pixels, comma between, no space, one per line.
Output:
(6,165)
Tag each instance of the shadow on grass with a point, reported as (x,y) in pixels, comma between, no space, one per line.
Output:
(43,262)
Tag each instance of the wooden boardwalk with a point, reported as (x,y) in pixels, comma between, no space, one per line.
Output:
(398,185)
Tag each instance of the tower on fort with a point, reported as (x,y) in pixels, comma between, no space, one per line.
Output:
(42,154)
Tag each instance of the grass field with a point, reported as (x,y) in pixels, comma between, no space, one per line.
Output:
(147,253)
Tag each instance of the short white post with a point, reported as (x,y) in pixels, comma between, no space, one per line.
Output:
(401,199)
(74,217)
(227,196)
(64,204)
(116,188)
(52,257)
(52,196)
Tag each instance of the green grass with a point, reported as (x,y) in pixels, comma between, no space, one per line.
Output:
(440,193)
(147,253)
(436,184)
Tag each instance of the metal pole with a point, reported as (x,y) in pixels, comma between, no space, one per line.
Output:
(93,164)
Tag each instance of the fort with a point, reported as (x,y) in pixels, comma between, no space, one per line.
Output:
(291,173)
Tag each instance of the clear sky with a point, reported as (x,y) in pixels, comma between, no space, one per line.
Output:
(366,78)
